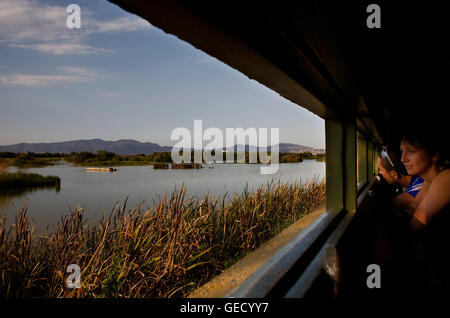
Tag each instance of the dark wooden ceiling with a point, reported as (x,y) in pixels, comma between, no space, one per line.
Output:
(322,56)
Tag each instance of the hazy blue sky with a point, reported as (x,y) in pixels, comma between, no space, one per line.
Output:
(118,77)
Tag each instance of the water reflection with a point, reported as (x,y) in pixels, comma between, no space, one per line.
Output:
(99,191)
(7,195)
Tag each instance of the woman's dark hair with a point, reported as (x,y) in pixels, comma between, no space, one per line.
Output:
(392,162)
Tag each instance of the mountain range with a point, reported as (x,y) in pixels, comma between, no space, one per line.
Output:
(129,147)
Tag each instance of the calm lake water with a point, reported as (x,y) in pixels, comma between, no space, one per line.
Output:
(99,191)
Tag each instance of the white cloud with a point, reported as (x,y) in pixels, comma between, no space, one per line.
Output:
(69,74)
(23,20)
(80,71)
(128,23)
(35,80)
(42,27)
(64,48)
(108,94)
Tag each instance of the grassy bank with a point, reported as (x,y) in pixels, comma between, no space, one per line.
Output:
(27,180)
(30,159)
(165,251)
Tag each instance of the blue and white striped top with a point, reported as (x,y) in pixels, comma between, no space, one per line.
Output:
(415,185)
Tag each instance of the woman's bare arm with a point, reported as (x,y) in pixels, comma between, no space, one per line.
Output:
(414,204)
(403,200)
(435,200)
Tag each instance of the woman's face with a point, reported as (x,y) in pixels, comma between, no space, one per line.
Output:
(390,177)
(416,159)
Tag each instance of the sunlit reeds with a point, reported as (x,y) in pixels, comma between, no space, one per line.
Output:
(4,168)
(164,251)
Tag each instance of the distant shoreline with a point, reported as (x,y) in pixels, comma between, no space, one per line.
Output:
(104,158)
(133,147)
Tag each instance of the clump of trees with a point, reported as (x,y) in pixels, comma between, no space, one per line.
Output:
(80,157)
(27,180)
(284,157)
(291,157)
(30,158)
(161,157)
(103,157)
(111,158)
(29,154)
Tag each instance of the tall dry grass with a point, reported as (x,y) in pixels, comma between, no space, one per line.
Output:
(165,251)
(4,168)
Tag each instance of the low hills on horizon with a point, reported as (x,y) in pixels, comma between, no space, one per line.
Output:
(130,147)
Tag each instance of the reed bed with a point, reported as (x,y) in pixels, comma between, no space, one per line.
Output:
(161,166)
(186,166)
(23,180)
(168,250)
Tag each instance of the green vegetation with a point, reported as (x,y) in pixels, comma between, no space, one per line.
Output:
(186,166)
(31,159)
(160,166)
(318,157)
(85,158)
(291,157)
(105,158)
(24,180)
(284,157)
(165,251)
(27,180)
(4,168)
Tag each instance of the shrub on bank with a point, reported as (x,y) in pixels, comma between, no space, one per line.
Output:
(24,180)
